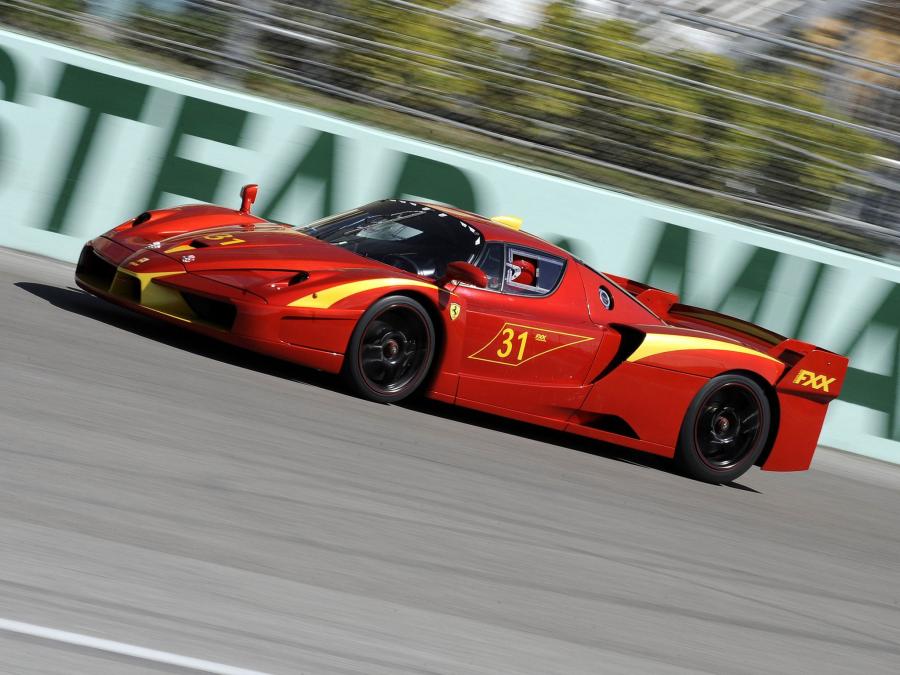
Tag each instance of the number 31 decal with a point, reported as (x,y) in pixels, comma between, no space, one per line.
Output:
(224,239)
(514,344)
(508,335)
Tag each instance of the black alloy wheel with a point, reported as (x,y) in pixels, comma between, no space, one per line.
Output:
(725,429)
(391,350)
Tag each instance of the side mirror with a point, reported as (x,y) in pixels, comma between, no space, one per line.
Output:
(248,196)
(464,272)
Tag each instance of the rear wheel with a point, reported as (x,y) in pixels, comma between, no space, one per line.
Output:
(391,350)
(725,429)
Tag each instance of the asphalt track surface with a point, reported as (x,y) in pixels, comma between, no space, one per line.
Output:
(173,494)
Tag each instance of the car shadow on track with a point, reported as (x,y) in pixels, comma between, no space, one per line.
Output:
(84,304)
(553,437)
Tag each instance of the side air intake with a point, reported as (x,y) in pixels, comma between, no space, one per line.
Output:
(631,339)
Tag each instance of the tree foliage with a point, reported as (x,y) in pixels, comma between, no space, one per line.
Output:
(47,17)
(577,85)
(596,89)
(193,35)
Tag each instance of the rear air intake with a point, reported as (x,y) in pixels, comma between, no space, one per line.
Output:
(612,424)
(217,313)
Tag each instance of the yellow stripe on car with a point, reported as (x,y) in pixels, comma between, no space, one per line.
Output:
(179,249)
(661,343)
(146,277)
(330,296)
(162,299)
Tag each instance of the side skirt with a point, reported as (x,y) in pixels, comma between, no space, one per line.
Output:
(559,425)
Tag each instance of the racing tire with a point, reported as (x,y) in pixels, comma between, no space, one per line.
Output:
(391,350)
(725,429)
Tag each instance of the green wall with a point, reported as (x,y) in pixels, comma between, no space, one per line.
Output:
(86,143)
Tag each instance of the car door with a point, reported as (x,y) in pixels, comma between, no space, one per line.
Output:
(529,342)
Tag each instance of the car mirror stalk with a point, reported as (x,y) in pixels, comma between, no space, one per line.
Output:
(248,196)
(464,272)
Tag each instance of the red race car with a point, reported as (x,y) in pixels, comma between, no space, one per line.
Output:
(403,297)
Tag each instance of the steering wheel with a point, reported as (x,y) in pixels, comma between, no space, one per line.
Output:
(402,262)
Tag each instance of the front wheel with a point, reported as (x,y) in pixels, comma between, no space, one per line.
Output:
(725,429)
(391,350)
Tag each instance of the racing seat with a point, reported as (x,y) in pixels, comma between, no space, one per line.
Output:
(527,271)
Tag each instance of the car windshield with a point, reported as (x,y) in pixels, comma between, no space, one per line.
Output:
(409,236)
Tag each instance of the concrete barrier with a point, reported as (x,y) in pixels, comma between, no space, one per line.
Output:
(86,142)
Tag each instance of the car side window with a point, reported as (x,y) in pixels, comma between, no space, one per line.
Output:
(520,271)
(529,272)
(492,264)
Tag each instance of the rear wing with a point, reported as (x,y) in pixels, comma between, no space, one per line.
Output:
(810,371)
(813,378)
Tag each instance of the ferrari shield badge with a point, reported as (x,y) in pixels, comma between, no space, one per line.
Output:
(454,311)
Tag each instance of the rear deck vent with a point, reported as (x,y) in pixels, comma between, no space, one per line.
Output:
(217,313)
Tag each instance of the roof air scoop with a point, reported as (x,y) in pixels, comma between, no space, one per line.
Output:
(512,222)
(248,196)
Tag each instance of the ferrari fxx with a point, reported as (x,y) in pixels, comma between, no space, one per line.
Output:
(405,297)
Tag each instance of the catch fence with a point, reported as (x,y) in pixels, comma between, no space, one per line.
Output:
(780,113)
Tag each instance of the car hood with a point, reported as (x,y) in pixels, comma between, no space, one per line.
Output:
(271,247)
(274,262)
